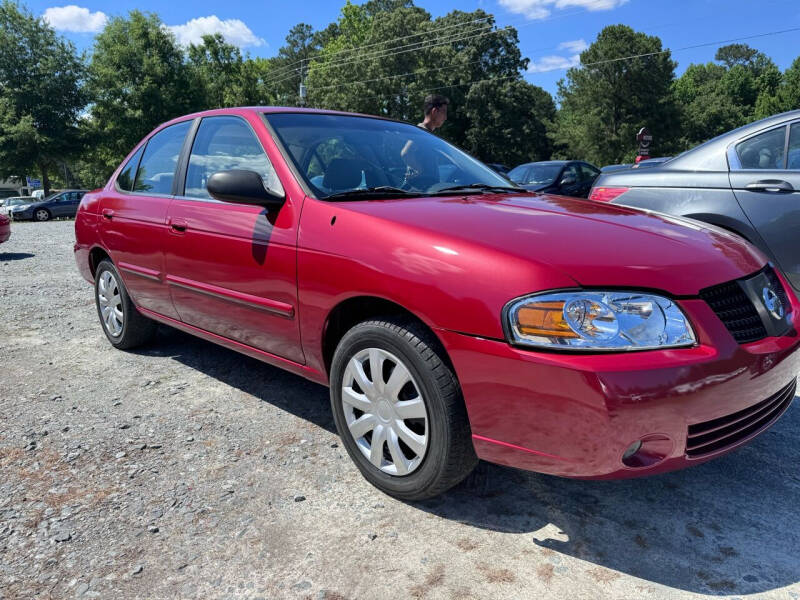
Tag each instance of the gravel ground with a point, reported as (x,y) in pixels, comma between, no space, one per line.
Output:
(185,470)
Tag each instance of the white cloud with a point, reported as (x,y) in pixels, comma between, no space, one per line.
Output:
(575,46)
(75,18)
(233,30)
(553,63)
(541,9)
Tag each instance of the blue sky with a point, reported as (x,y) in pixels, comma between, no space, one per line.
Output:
(551,32)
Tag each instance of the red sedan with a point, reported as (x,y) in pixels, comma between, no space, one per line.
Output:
(5,228)
(453,317)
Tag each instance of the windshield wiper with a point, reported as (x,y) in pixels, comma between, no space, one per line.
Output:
(380,191)
(479,187)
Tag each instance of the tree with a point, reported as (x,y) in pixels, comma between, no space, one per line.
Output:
(41,95)
(508,121)
(138,79)
(385,57)
(224,76)
(789,90)
(302,44)
(715,98)
(609,97)
(736,54)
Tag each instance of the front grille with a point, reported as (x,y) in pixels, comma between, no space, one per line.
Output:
(718,434)
(736,311)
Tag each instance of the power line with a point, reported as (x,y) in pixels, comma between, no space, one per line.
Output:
(600,62)
(458,66)
(397,39)
(391,51)
(384,53)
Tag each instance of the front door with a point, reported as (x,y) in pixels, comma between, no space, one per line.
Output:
(232,268)
(133,222)
(766,182)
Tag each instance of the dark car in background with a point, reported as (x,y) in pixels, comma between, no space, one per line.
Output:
(746,181)
(499,168)
(62,204)
(562,177)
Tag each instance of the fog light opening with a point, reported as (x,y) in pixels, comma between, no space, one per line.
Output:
(647,451)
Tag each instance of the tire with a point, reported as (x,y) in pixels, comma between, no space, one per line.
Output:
(396,343)
(42,214)
(126,327)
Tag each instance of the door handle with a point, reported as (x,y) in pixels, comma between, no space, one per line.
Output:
(178,225)
(770,185)
(108,213)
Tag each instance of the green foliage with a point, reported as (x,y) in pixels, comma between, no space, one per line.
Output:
(138,79)
(507,122)
(223,77)
(606,101)
(717,98)
(359,68)
(41,95)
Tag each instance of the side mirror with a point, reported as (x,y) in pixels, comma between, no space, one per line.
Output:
(567,180)
(243,187)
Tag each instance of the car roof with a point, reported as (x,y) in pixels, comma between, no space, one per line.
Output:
(238,110)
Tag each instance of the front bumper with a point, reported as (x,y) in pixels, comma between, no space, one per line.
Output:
(575,415)
(22,215)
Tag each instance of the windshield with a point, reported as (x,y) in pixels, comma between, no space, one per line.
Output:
(336,154)
(535,174)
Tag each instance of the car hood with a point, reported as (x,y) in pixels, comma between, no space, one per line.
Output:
(594,244)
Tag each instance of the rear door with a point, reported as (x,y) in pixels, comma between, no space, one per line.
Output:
(65,205)
(765,177)
(232,268)
(133,225)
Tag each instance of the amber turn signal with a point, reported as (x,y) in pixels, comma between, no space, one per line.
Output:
(545,319)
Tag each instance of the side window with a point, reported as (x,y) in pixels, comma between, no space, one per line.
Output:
(157,168)
(570,171)
(764,151)
(588,173)
(128,173)
(794,148)
(221,144)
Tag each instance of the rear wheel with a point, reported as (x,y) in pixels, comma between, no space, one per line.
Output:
(42,214)
(399,410)
(124,326)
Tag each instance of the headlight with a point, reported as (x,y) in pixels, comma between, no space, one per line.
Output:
(21,207)
(597,320)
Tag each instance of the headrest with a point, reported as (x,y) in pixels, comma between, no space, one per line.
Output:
(343,174)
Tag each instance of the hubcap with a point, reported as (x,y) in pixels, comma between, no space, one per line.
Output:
(110,302)
(42,215)
(385,411)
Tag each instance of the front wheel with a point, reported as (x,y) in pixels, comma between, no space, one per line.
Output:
(399,411)
(42,214)
(124,326)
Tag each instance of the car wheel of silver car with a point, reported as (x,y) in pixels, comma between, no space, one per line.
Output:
(124,326)
(42,214)
(398,409)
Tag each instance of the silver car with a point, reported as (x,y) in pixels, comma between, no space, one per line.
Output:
(746,181)
(7,205)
